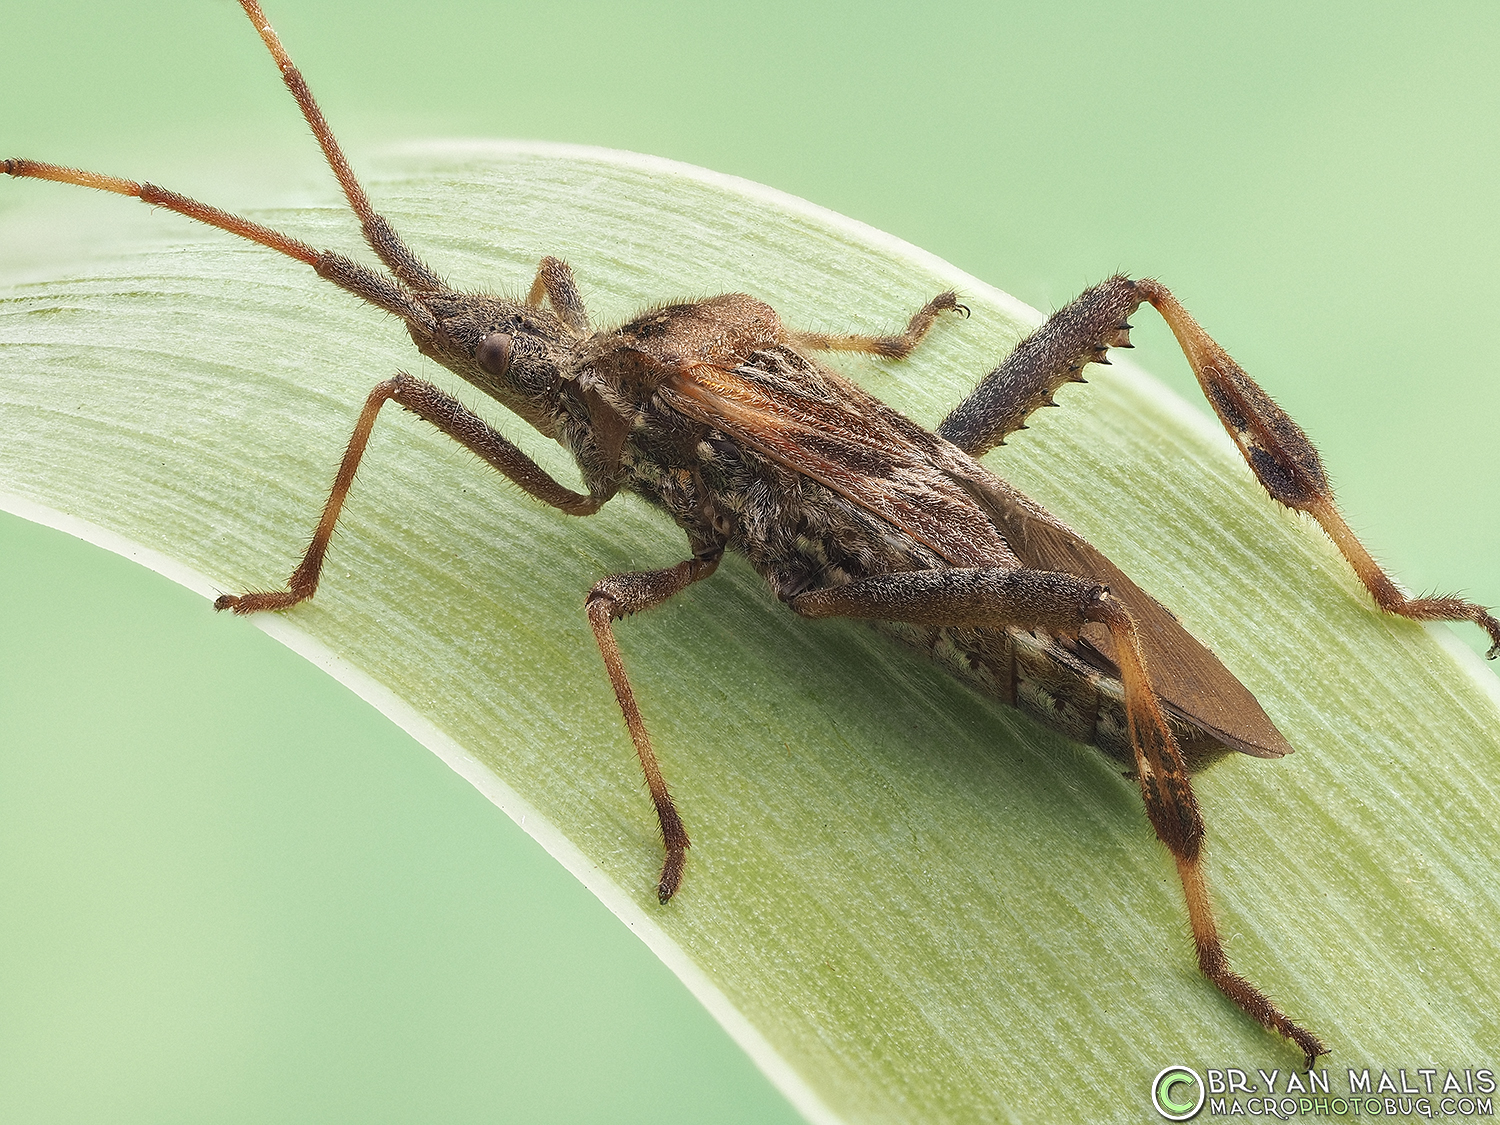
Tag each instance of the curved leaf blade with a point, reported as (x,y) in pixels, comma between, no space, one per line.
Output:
(903,898)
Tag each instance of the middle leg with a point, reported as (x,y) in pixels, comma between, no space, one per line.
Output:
(618,596)
(892,347)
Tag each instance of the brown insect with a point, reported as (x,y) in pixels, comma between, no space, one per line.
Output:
(714,412)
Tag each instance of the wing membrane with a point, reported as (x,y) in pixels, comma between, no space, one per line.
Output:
(851,442)
(1183,670)
(816,423)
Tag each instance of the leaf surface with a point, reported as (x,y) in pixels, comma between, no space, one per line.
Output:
(906,901)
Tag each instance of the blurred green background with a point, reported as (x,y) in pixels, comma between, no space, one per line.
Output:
(200,920)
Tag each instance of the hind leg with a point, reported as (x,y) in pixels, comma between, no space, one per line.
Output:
(1272,444)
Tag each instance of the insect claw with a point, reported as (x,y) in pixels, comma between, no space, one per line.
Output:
(671,876)
(1492,627)
(1311,1045)
(728,366)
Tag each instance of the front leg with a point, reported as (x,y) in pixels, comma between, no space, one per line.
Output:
(454,419)
(1278,452)
(554,282)
(1063,603)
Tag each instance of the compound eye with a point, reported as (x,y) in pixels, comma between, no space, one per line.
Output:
(494,353)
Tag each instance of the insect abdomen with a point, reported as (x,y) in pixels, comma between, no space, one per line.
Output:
(1047,683)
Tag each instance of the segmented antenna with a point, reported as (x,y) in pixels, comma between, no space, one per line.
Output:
(397,256)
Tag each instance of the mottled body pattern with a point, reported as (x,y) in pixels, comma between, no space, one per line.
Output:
(714,412)
(801,535)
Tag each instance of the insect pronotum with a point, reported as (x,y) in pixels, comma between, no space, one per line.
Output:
(716,413)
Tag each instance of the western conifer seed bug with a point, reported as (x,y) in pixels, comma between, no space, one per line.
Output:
(714,412)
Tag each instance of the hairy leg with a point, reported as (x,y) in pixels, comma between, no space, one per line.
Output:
(554,282)
(611,599)
(892,347)
(1277,450)
(1064,603)
(454,419)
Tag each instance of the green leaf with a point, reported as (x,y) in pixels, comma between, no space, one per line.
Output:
(904,900)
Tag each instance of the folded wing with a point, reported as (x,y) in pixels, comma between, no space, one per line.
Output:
(812,421)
